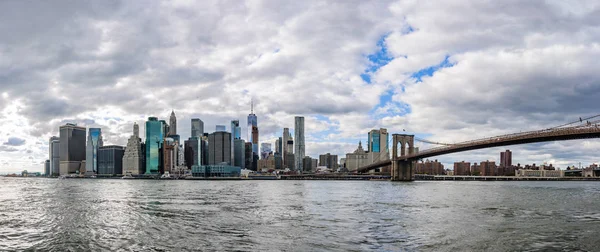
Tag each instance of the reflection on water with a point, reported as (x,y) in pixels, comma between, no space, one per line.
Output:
(142,215)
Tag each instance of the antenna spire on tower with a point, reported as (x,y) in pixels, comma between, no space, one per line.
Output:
(252,106)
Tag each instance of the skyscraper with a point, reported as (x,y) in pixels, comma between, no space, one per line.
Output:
(219,148)
(192,152)
(265,149)
(154,141)
(54,155)
(236,132)
(173,124)
(94,142)
(133,156)
(197,128)
(110,160)
(170,152)
(299,145)
(47,168)
(378,145)
(239,151)
(255,140)
(506,159)
(329,161)
(286,136)
(253,129)
(72,148)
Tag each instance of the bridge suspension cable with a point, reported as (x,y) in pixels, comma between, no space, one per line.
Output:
(431,142)
(580,121)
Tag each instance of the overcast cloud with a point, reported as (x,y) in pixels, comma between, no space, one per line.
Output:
(446,71)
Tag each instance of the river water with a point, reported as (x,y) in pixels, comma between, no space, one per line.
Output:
(149,215)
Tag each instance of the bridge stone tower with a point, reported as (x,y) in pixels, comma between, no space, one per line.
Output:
(402,169)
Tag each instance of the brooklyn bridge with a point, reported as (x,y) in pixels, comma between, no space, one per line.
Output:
(404,153)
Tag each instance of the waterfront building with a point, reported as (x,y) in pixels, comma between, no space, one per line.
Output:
(94,142)
(357,159)
(329,161)
(506,158)
(219,148)
(487,168)
(267,163)
(248,156)
(462,168)
(197,128)
(299,145)
(540,173)
(133,158)
(290,150)
(278,161)
(239,153)
(54,155)
(218,170)
(430,168)
(307,164)
(170,149)
(290,161)
(110,160)
(173,124)
(378,145)
(72,149)
(154,141)
(47,168)
(193,152)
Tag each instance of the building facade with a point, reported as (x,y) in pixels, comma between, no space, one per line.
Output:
(94,142)
(54,155)
(299,152)
(506,158)
(197,128)
(239,146)
(172,124)
(221,170)
(430,168)
(265,149)
(154,141)
(462,168)
(253,129)
(110,160)
(219,148)
(329,161)
(72,149)
(357,159)
(378,145)
(133,158)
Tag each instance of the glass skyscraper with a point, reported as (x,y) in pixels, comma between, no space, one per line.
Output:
(378,141)
(197,128)
(236,132)
(154,140)
(253,130)
(94,142)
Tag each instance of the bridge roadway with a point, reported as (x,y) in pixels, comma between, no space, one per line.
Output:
(552,134)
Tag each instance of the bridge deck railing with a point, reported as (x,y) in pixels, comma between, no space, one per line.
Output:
(593,128)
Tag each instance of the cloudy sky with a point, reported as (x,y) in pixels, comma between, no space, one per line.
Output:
(447,71)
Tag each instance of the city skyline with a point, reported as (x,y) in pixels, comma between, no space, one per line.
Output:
(399,66)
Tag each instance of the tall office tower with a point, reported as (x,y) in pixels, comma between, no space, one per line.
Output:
(91,151)
(192,152)
(110,160)
(170,148)
(289,161)
(219,148)
(220,128)
(47,168)
(154,142)
(133,156)
(255,140)
(239,151)
(278,161)
(378,146)
(72,148)
(236,133)
(54,156)
(173,124)
(307,164)
(165,128)
(299,145)
(265,149)
(506,158)
(197,128)
(278,145)
(285,138)
(248,155)
(253,129)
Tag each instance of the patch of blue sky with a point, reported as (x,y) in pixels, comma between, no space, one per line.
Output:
(429,71)
(377,60)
